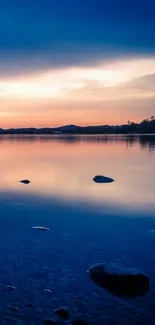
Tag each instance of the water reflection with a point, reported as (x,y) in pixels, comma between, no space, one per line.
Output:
(64,166)
(146,141)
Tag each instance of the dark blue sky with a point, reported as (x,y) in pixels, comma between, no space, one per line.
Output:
(70,32)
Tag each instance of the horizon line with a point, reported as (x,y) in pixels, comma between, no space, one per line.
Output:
(75,125)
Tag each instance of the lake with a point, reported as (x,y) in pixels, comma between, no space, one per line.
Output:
(89,223)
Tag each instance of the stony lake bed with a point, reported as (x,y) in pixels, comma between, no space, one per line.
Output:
(42,271)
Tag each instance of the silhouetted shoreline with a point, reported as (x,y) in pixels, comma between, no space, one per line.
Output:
(147,126)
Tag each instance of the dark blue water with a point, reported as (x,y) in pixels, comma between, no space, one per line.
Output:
(84,230)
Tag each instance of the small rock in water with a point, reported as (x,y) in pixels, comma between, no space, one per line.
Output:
(152,231)
(79,322)
(10,287)
(10,320)
(79,302)
(120,280)
(25,181)
(62,313)
(14,308)
(41,228)
(102,179)
(49,321)
(47,290)
(31,305)
(38,309)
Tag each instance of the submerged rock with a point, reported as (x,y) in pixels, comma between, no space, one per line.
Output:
(14,308)
(102,179)
(79,322)
(10,320)
(47,290)
(31,305)
(62,313)
(41,228)
(79,302)
(10,287)
(152,231)
(25,181)
(49,321)
(120,280)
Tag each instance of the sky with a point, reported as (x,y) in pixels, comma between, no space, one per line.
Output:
(76,62)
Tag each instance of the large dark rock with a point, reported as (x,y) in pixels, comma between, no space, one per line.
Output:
(102,179)
(120,280)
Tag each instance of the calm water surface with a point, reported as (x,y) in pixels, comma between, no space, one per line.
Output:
(89,222)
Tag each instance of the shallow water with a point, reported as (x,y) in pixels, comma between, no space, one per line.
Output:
(89,223)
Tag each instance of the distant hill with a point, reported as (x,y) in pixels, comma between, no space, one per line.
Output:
(146,126)
(69,128)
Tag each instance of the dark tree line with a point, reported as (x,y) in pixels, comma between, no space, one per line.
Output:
(146,126)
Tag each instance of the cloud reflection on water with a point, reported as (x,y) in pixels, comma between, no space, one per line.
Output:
(64,167)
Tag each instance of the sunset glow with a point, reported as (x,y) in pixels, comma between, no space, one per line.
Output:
(54,89)
(74,64)
(62,83)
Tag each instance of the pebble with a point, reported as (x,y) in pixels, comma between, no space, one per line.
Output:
(79,322)
(10,320)
(31,305)
(41,228)
(47,290)
(49,321)
(102,179)
(10,287)
(14,308)
(152,231)
(62,313)
(25,181)
(79,302)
